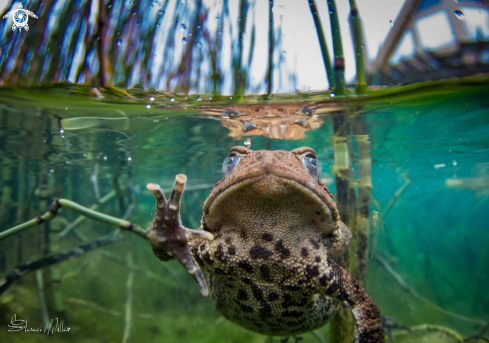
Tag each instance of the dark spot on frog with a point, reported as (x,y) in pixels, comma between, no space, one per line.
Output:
(198,260)
(257,292)
(219,254)
(243,234)
(267,237)
(246,281)
(242,295)
(324,280)
(257,251)
(228,240)
(304,252)
(314,243)
(290,301)
(292,314)
(219,271)
(266,310)
(265,273)
(232,250)
(273,296)
(291,288)
(208,259)
(317,259)
(311,271)
(317,212)
(246,266)
(246,308)
(280,248)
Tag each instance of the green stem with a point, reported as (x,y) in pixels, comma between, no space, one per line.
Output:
(339,61)
(271,48)
(84,211)
(359,48)
(322,43)
(82,218)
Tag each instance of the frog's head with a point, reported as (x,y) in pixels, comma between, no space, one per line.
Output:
(273,189)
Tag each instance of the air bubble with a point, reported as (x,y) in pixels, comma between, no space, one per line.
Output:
(184,40)
(332,95)
(172,99)
(148,106)
(151,98)
(459,14)
(199,99)
(118,42)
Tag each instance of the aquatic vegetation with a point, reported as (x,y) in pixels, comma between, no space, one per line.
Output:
(102,98)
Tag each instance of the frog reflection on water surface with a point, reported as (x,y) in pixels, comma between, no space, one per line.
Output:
(271,244)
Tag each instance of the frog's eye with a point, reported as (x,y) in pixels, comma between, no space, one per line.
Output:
(229,163)
(307,111)
(312,165)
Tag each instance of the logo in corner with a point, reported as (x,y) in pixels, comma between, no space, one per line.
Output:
(20,16)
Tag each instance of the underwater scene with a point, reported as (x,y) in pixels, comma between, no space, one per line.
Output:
(169,173)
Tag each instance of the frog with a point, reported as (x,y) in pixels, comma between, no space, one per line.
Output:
(271,245)
(274,120)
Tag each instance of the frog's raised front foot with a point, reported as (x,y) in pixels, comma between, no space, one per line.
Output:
(168,236)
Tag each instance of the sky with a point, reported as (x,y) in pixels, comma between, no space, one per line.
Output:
(300,47)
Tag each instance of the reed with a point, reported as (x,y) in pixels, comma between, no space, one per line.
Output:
(322,43)
(359,45)
(239,73)
(271,48)
(40,293)
(128,305)
(339,60)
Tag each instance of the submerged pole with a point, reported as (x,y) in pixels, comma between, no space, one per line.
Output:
(339,61)
(341,327)
(322,43)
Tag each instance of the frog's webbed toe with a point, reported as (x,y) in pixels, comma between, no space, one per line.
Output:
(168,237)
(336,282)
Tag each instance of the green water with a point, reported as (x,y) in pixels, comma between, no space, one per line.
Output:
(435,235)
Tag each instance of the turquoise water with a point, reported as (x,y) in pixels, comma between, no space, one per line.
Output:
(430,146)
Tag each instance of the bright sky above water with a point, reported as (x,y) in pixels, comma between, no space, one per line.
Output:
(300,47)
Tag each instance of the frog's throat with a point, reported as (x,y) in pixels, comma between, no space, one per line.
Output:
(308,187)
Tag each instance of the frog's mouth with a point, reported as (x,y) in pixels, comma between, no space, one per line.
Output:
(263,193)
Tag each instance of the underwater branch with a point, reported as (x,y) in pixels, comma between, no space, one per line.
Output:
(82,210)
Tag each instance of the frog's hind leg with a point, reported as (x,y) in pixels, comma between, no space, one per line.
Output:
(335,282)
